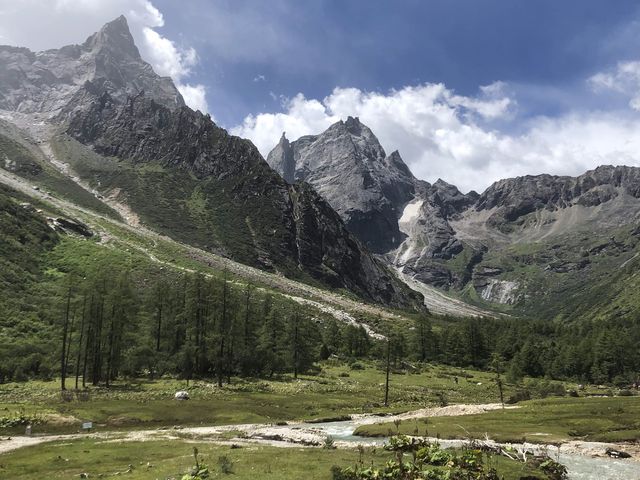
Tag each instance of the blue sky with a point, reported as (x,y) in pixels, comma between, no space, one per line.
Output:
(314,46)
(470,91)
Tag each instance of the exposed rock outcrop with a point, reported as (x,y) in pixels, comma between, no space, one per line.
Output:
(436,234)
(347,165)
(45,82)
(286,221)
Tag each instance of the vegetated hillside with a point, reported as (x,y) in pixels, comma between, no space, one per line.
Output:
(25,238)
(151,305)
(23,157)
(119,312)
(202,186)
(539,246)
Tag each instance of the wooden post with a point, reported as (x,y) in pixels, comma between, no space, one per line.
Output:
(386,384)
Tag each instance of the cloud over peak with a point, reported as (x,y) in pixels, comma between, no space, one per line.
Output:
(52,24)
(624,79)
(441,134)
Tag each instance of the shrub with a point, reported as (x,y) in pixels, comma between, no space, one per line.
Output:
(225,464)
(519,396)
(554,470)
(328,443)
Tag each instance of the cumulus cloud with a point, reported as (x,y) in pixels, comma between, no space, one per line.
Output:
(444,135)
(624,79)
(44,24)
(195,96)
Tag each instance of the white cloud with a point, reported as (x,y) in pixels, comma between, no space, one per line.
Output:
(624,79)
(195,96)
(166,58)
(44,24)
(444,135)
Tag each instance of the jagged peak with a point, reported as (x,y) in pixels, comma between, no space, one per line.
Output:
(441,183)
(120,24)
(352,121)
(395,159)
(114,36)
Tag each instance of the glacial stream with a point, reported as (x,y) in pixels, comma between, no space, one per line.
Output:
(580,467)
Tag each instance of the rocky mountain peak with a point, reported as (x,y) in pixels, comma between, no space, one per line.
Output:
(347,165)
(114,37)
(57,81)
(282,161)
(353,125)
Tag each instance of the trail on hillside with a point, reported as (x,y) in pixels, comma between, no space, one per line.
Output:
(337,305)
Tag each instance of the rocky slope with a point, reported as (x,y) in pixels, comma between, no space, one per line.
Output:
(347,165)
(523,241)
(45,82)
(102,110)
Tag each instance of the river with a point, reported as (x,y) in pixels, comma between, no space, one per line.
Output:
(579,466)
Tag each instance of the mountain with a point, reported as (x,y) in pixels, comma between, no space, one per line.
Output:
(347,166)
(46,82)
(100,115)
(535,245)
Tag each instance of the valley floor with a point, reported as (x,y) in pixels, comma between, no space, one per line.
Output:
(142,430)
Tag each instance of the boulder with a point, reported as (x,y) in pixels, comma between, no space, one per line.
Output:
(181,395)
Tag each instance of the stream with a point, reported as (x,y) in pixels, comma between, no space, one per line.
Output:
(584,460)
(580,467)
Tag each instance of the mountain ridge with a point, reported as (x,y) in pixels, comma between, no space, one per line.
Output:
(464,243)
(137,143)
(45,82)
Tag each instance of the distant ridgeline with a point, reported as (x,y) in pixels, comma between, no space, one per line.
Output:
(536,246)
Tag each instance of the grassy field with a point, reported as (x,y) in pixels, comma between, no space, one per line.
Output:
(336,390)
(541,421)
(173,458)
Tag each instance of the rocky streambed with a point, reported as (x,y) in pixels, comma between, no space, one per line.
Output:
(584,460)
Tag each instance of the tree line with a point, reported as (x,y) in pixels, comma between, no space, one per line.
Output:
(109,324)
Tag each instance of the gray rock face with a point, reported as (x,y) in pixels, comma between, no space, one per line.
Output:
(282,161)
(46,82)
(347,165)
(516,197)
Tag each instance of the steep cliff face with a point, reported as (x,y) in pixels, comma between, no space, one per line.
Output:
(265,221)
(45,82)
(334,255)
(347,165)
